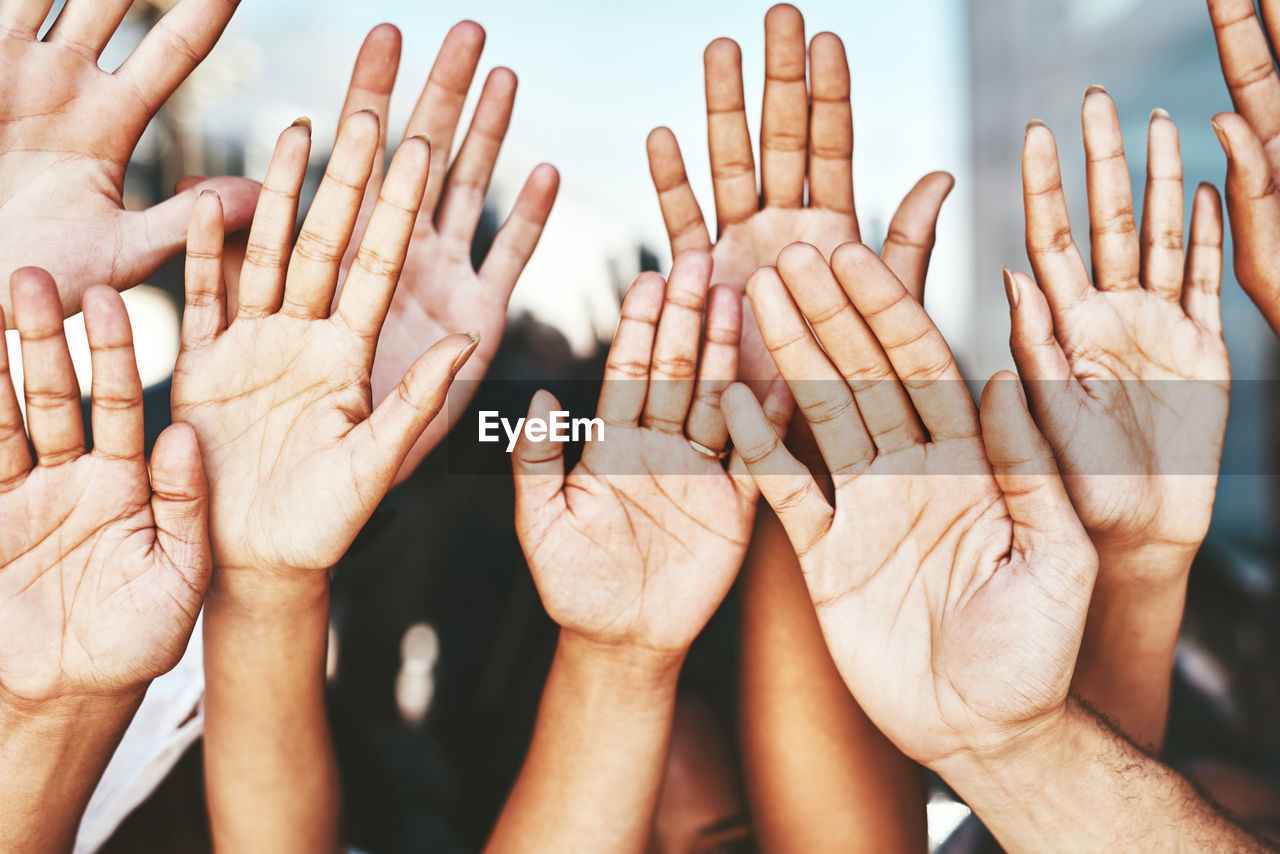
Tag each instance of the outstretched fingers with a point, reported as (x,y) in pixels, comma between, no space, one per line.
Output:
(909,244)
(673,367)
(15,456)
(1202,290)
(52,391)
(180,504)
(784,120)
(686,228)
(205,314)
(733,164)
(514,244)
(116,390)
(538,465)
(1112,230)
(1163,259)
(1253,207)
(830,127)
(1054,257)
(626,369)
(718,368)
(175,46)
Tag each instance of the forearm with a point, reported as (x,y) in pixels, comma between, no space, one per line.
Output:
(591,779)
(1076,785)
(1131,637)
(270,774)
(51,758)
(820,776)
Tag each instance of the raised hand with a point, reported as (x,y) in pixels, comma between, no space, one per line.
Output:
(1128,374)
(1249,139)
(103,566)
(68,129)
(951,578)
(806,139)
(638,545)
(297,455)
(440,291)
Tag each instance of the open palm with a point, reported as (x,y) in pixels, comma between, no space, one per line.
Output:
(298,456)
(642,540)
(68,129)
(799,147)
(1128,375)
(103,566)
(951,578)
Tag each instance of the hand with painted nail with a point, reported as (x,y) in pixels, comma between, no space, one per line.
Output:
(632,553)
(68,129)
(440,290)
(951,578)
(1129,379)
(297,455)
(638,545)
(806,139)
(1248,138)
(103,564)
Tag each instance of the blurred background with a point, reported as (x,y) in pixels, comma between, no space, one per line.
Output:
(439,643)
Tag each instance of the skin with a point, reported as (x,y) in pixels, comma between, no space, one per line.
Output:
(298,457)
(440,291)
(953,605)
(1128,377)
(65,144)
(631,553)
(103,564)
(1248,138)
(819,775)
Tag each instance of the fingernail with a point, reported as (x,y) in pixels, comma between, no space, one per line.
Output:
(214,194)
(1160,113)
(373,111)
(302,122)
(1096,87)
(425,137)
(1011,288)
(1035,123)
(1222,139)
(464,354)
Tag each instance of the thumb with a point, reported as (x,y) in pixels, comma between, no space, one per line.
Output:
(538,466)
(913,230)
(151,237)
(180,503)
(398,421)
(1044,522)
(1253,207)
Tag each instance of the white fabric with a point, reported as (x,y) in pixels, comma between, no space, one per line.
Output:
(168,722)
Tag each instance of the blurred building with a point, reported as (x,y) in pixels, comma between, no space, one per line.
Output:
(1034,59)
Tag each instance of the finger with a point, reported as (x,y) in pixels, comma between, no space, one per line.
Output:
(886,410)
(914,346)
(372,80)
(88,24)
(468,180)
(779,408)
(149,238)
(680,212)
(718,369)
(830,126)
(205,314)
(819,390)
(733,165)
(913,230)
(1113,233)
(1036,351)
(1025,471)
(180,504)
(175,46)
(674,364)
(15,455)
(116,390)
(1253,207)
(784,121)
(371,282)
(1054,257)
(52,391)
(788,486)
(1201,295)
(538,465)
(317,256)
(440,104)
(266,255)
(380,444)
(1249,72)
(1162,255)
(514,244)
(24,17)
(626,370)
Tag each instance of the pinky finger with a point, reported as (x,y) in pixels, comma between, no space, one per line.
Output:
(787,485)
(205,313)
(519,236)
(1202,284)
(686,227)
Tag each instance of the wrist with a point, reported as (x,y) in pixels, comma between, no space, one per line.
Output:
(1145,566)
(250,590)
(620,665)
